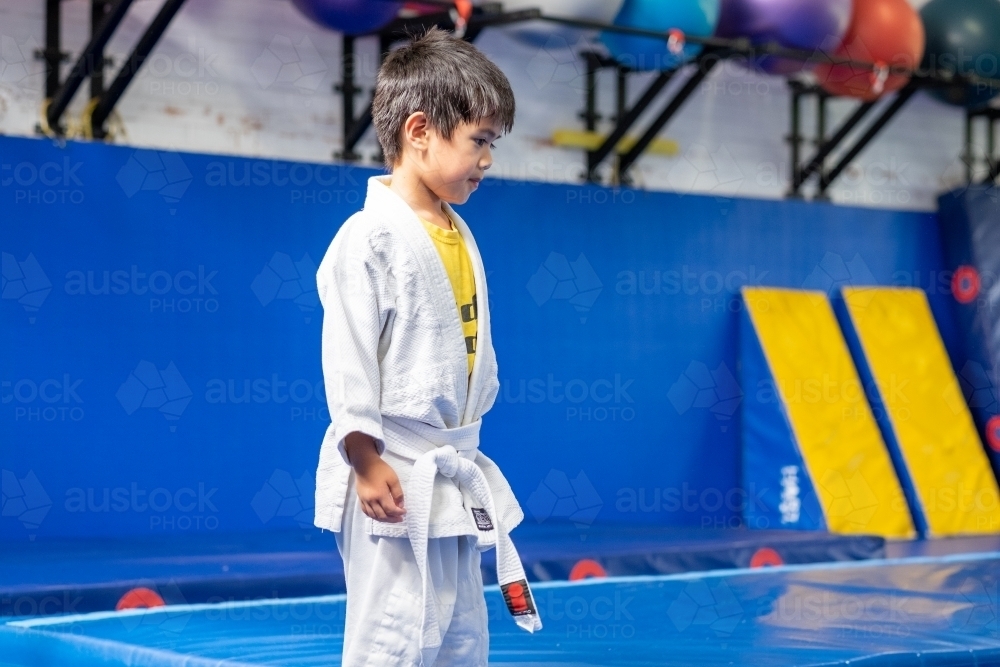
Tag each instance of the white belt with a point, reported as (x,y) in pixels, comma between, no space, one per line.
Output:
(452,452)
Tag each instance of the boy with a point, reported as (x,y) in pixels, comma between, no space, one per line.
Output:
(409,370)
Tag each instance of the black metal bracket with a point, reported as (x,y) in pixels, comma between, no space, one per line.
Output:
(902,97)
(84,67)
(991,158)
(626,118)
(826,147)
(702,66)
(624,122)
(105,19)
(404,29)
(108,99)
(52,54)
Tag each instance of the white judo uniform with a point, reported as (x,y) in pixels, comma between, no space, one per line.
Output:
(395,368)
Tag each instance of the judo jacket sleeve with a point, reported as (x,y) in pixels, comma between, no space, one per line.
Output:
(355,291)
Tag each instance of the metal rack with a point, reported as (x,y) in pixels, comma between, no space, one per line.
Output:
(106,15)
(105,19)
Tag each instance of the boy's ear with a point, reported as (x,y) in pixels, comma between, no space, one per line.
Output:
(416,130)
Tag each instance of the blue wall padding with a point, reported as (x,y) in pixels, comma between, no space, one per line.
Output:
(615,320)
(970,232)
(769,445)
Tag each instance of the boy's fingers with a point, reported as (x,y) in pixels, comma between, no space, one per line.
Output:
(396,491)
(378,512)
(389,515)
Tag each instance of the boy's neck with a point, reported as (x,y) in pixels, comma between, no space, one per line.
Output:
(411,189)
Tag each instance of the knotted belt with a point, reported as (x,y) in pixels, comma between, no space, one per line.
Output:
(452,453)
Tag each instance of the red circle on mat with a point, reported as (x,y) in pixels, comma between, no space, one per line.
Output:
(140,598)
(586,568)
(965,284)
(993,433)
(764,557)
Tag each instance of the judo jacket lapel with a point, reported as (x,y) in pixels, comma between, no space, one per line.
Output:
(387,204)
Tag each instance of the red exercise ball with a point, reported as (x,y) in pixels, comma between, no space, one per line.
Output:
(884,32)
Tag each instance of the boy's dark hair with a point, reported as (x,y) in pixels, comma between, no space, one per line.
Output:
(448,79)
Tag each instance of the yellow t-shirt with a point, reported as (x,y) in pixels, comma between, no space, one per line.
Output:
(455,256)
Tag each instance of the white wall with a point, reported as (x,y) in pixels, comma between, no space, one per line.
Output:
(253,77)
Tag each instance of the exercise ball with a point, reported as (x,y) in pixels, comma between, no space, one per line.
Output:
(693,17)
(963,36)
(794,24)
(539,34)
(887,32)
(351,17)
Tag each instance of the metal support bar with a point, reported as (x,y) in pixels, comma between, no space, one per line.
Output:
(595,157)
(795,135)
(621,90)
(902,97)
(703,66)
(52,54)
(84,65)
(589,114)
(831,145)
(347,89)
(132,65)
(98,12)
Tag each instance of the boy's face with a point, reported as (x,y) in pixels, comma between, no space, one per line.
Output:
(454,168)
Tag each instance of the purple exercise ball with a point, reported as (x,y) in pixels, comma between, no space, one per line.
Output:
(795,24)
(352,17)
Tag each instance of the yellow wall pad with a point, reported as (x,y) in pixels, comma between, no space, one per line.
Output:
(830,418)
(931,424)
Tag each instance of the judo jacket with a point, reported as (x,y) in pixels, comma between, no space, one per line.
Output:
(395,366)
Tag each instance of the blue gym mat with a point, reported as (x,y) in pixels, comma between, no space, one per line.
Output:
(917,611)
(76,576)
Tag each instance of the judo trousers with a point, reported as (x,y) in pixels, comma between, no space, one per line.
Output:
(382,627)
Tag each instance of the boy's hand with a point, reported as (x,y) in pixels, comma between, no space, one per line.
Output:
(379,491)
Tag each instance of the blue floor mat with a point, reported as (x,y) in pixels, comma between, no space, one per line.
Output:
(919,611)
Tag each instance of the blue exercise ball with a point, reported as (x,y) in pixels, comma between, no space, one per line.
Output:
(351,17)
(963,36)
(794,24)
(692,17)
